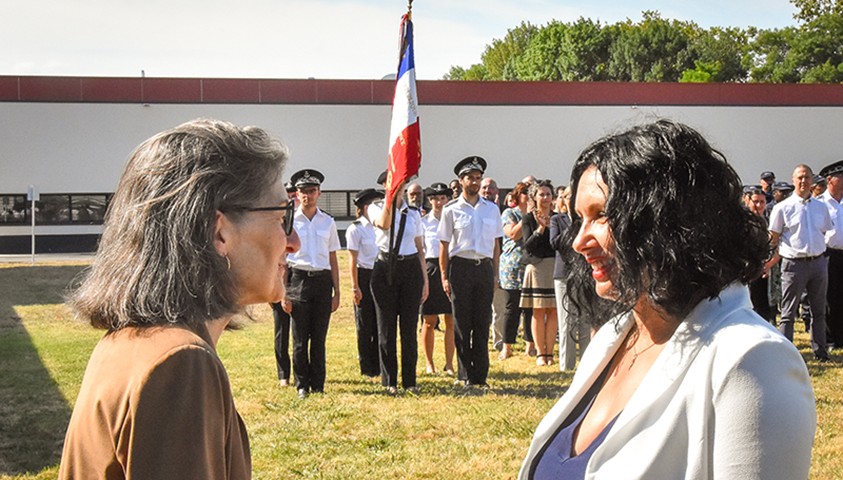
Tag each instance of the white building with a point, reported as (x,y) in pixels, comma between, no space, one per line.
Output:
(69,137)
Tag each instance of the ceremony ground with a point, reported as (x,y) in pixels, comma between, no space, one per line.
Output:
(353,431)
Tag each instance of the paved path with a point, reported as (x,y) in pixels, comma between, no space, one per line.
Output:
(48,258)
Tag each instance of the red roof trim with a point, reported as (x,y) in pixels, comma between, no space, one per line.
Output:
(380,92)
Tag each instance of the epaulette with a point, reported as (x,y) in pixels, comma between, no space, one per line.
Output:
(411,207)
(326,213)
(452,201)
(357,222)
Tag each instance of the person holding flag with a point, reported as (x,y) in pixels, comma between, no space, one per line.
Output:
(399,285)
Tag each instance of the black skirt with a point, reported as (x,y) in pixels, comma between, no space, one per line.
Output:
(437,302)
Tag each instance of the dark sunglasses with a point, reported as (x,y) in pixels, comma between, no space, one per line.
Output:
(288,209)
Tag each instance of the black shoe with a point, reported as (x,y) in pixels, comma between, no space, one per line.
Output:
(822,358)
(302,393)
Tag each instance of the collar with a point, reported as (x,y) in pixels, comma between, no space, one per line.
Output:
(828,197)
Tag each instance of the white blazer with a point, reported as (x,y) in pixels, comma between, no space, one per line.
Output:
(728,398)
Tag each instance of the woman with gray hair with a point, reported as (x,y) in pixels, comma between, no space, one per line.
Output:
(197,230)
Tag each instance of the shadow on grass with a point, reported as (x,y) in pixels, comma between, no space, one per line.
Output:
(33,412)
(543,385)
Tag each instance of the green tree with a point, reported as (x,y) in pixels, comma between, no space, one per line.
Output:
(723,53)
(499,57)
(772,57)
(654,50)
(811,9)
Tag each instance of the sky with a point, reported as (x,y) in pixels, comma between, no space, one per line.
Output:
(326,39)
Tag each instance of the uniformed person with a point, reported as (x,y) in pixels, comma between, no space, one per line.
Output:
(314,289)
(469,231)
(437,302)
(363,251)
(399,286)
(281,319)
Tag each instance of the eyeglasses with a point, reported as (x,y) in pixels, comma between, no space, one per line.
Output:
(288,209)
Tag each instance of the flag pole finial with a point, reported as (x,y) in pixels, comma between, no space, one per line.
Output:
(409,7)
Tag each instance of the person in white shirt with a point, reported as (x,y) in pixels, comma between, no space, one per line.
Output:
(468,260)
(314,290)
(798,225)
(362,253)
(399,287)
(281,319)
(834,249)
(437,302)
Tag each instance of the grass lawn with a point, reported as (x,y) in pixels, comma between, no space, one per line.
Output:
(353,431)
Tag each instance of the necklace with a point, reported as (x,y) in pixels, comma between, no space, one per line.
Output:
(636,353)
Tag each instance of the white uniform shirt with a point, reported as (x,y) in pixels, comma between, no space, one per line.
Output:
(834,237)
(412,229)
(431,236)
(470,230)
(360,236)
(318,238)
(802,225)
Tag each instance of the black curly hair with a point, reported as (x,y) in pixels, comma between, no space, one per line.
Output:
(675,211)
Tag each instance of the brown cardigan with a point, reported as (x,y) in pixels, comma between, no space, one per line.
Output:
(155,403)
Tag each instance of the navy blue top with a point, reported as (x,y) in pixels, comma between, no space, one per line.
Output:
(559,224)
(557,460)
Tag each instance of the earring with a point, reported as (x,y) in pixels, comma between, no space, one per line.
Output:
(227,261)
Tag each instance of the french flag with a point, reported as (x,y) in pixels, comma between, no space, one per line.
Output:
(404,134)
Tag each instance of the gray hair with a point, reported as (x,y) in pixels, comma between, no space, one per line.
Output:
(156,262)
(536,186)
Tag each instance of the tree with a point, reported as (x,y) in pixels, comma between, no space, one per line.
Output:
(811,9)
(500,57)
(654,50)
(723,53)
(772,59)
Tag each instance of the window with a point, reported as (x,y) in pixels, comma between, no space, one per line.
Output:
(13,210)
(52,209)
(338,204)
(88,209)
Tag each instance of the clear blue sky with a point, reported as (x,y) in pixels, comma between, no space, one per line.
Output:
(351,39)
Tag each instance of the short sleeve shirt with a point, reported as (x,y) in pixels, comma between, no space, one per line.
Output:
(412,229)
(360,237)
(802,225)
(431,240)
(834,237)
(471,230)
(318,238)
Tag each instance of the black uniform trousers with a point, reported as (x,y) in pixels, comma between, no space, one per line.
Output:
(758,289)
(281,320)
(366,321)
(282,341)
(472,288)
(397,306)
(310,293)
(834,318)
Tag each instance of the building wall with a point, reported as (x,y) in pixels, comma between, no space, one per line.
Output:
(73,135)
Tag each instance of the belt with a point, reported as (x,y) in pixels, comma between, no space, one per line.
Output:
(383,257)
(473,261)
(804,259)
(310,273)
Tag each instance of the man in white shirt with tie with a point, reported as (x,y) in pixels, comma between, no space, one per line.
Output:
(798,225)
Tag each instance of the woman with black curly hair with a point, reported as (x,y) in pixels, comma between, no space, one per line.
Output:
(683,380)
